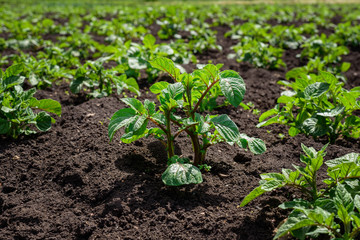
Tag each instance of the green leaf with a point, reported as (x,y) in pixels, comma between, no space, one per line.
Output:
(296,73)
(43,121)
(226,128)
(158,87)
(4,126)
(47,23)
(293,131)
(345,66)
(27,95)
(136,130)
(292,224)
(343,214)
(174,90)
(316,90)
(13,70)
(203,75)
(328,77)
(272,184)
(150,107)
(131,84)
(272,176)
(343,198)
(178,174)
(137,63)
(332,112)
(257,146)
(76,85)
(348,99)
(137,123)
(167,50)
(268,113)
(12,81)
(268,122)
(6,109)
(219,65)
(356,220)
(212,70)
(297,204)
(267,186)
(149,41)
(159,118)
(303,171)
(355,89)
(120,119)
(33,79)
(310,151)
(284,83)
(348,158)
(306,232)
(166,65)
(319,215)
(357,202)
(285,99)
(352,126)
(252,195)
(157,133)
(315,126)
(203,126)
(134,104)
(232,86)
(48,105)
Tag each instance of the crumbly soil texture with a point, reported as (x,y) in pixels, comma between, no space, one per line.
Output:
(72,183)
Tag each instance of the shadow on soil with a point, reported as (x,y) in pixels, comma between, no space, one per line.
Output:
(144,190)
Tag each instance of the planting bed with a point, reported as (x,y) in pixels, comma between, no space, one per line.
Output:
(71,183)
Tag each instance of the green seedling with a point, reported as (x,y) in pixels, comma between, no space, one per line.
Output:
(332,210)
(316,105)
(178,113)
(16,106)
(100,82)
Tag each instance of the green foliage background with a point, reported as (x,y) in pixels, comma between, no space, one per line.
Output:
(132,2)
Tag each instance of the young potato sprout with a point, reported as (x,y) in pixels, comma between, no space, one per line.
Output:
(185,94)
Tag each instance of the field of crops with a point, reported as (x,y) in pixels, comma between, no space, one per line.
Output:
(153,121)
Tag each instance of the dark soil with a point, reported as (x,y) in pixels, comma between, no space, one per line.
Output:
(71,183)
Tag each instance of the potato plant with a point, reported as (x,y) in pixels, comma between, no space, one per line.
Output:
(179,106)
(259,54)
(316,105)
(98,82)
(16,106)
(333,210)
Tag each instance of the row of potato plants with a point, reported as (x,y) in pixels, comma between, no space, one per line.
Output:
(259,43)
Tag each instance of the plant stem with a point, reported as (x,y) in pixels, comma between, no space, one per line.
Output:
(101,82)
(335,134)
(170,138)
(330,230)
(182,130)
(354,233)
(179,125)
(203,95)
(301,188)
(199,153)
(202,155)
(157,124)
(196,147)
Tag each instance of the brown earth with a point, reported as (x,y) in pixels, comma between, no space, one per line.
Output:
(71,183)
